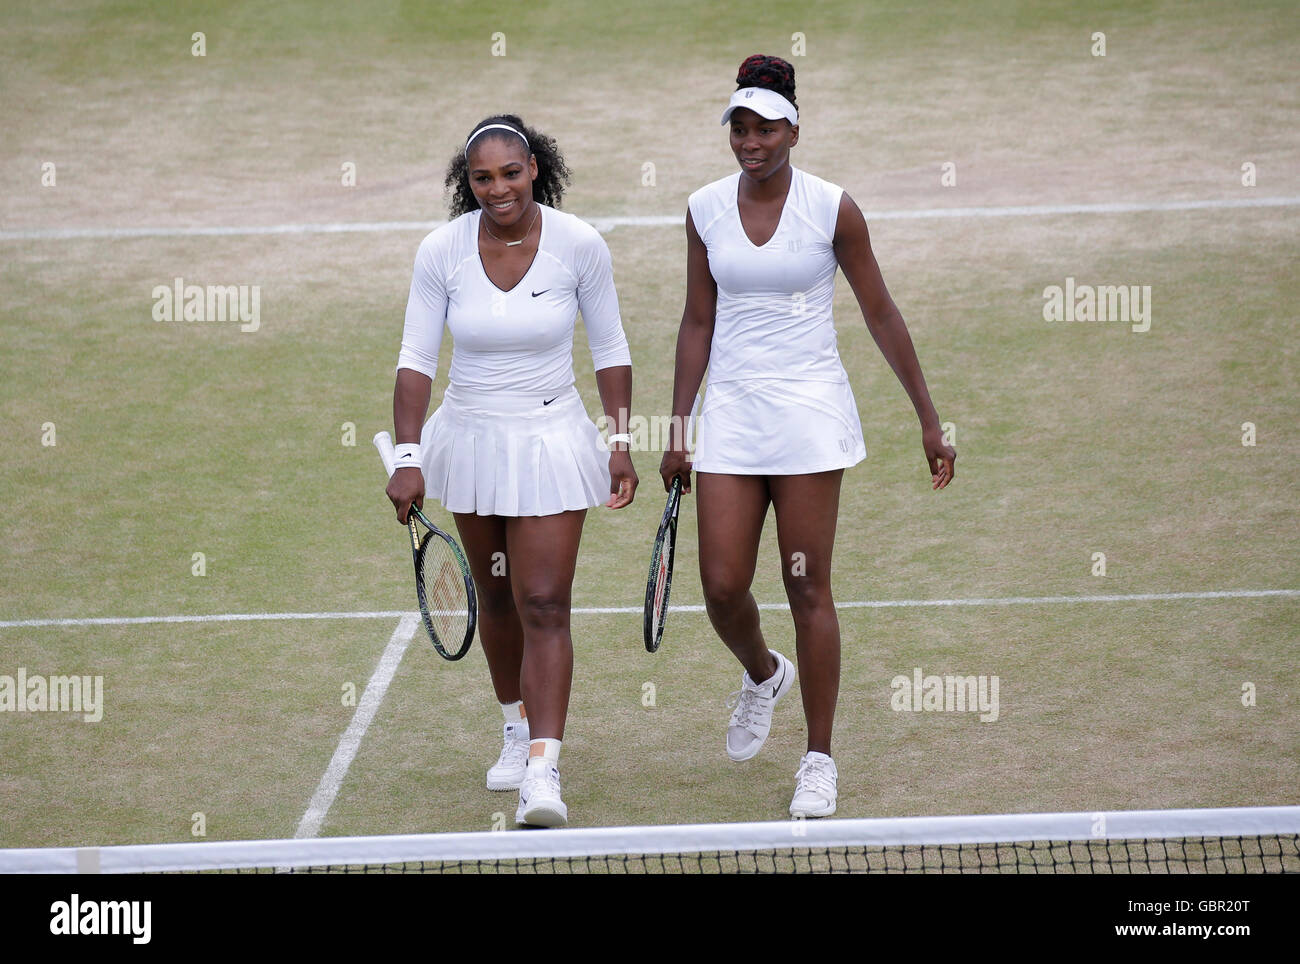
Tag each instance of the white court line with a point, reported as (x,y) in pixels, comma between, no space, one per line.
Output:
(367,706)
(606,610)
(604,224)
(214,618)
(1112,207)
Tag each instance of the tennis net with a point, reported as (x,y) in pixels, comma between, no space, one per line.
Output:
(1237,840)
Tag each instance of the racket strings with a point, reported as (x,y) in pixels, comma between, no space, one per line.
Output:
(445,596)
(661,580)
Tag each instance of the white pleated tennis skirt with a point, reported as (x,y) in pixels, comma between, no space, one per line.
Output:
(495,453)
(778,426)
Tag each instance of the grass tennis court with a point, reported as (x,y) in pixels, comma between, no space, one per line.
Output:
(176,438)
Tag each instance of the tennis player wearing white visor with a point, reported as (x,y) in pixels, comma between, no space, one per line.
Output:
(779,424)
(510,452)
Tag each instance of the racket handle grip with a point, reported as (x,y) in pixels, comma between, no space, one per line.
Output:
(384,442)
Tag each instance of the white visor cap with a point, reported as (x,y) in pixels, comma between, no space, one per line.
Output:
(763,102)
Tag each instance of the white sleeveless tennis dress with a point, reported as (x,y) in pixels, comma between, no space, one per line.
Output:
(778,400)
(512,436)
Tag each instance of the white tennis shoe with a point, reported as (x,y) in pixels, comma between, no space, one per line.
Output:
(508,772)
(539,797)
(816,786)
(751,720)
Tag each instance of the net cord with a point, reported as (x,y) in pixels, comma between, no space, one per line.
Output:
(669,839)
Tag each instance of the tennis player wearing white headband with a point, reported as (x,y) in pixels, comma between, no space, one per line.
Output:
(779,423)
(510,452)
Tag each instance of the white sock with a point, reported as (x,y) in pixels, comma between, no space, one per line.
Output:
(514,712)
(548,751)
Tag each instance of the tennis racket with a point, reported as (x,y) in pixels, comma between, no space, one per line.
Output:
(661,570)
(443,584)
(661,562)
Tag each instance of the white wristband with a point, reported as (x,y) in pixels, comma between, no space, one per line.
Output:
(623,437)
(406,456)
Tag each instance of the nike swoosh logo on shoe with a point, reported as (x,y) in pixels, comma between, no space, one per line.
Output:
(779,682)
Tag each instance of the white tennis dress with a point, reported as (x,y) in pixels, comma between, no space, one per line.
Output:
(778,400)
(512,436)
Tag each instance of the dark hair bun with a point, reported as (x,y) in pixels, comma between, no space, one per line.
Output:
(771,73)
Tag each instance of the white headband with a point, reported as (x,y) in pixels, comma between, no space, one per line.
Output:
(504,127)
(763,102)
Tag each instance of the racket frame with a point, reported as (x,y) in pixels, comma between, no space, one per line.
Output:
(384,443)
(419,546)
(653,629)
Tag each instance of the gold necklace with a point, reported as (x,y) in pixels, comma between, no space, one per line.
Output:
(511,244)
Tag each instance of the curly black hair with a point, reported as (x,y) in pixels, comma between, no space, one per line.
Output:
(552,172)
(771,73)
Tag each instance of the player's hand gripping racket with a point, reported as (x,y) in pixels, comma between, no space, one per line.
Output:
(661,570)
(443,584)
